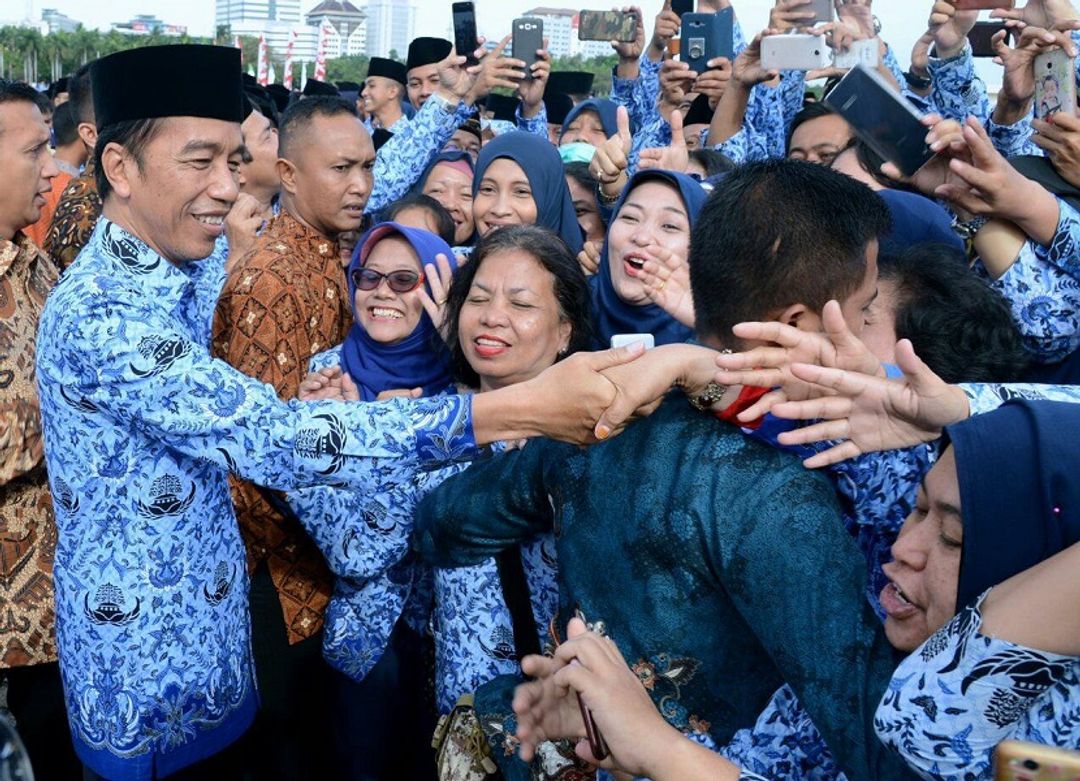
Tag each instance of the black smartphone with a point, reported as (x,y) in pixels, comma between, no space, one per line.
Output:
(706,36)
(528,38)
(981,38)
(465,42)
(882,118)
(681,7)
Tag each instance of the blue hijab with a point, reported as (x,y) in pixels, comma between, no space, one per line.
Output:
(604,108)
(421,360)
(615,316)
(1020,499)
(544,169)
(916,220)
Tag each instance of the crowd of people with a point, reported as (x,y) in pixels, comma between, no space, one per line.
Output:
(460,424)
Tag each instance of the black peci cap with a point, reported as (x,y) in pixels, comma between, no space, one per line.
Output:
(425,51)
(571,82)
(557,105)
(388,69)
(504,107)
(180,80)
(316,87)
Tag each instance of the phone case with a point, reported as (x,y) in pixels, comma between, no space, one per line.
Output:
(705,37)
(1055,84)
(681,7)
(864,52)
(882,118)
(465,40)
(981,38)
(1016,760)
(794,52)
(607,26)
(528,37)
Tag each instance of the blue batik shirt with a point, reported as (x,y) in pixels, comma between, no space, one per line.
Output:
(141,428)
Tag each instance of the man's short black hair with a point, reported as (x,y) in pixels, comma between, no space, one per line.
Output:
(442,217)
(713,161)
(65,125)
(80,94)
(299,115)
(17,92)
(133,135)
(779,233)
(960,326)
(808,112)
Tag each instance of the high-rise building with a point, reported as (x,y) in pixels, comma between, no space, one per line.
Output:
(391,26)
(58,22)
(275,19)
(349,23)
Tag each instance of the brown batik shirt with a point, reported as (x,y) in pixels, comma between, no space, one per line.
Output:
(281,304)
(73,221)
(27,527)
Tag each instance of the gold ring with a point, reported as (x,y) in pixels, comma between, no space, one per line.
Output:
(661,286)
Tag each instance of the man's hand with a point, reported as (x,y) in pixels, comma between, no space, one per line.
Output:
(790,15)
(946,139)
(1018,82)
(531,91)
(858,17)
(328,384)
(666,28)
(769,366)
(747,70)
(676,80)
(242,226)
(589,257)
(950,28)
(1060,139)
(867,414)
(612,158)
(494,70)
(673,157)
(714,82)
(400,393)
(920,55)
(631,50)
(1040,13)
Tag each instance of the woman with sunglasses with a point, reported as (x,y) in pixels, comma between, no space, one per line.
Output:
(520,305)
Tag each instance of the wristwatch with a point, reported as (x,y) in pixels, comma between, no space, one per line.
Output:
(714,391)
(966,230)
(916,81)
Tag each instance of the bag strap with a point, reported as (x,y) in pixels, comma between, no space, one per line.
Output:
(515,591)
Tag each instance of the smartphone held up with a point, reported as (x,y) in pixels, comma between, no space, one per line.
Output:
(465,39)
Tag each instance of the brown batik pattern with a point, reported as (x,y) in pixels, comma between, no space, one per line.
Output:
(281,304)
(27,527)
(73,221)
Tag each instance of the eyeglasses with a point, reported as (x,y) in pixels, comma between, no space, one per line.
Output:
(399,281)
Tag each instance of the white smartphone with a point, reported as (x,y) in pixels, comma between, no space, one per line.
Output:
(1055,83)
(795,52)
(625,340)
(865,52)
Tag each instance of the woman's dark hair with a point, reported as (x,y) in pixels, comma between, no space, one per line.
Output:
(960,326)
(713,161)
(443,219)
(551,252)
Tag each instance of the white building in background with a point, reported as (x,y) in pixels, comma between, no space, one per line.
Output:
(349,23)
(276,19)
(561,30)
(391,26)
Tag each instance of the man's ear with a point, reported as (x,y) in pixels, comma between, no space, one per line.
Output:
(119,168)
(88,133)
(800,316)
(287,171)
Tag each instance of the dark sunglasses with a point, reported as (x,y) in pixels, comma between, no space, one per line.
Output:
(399,281)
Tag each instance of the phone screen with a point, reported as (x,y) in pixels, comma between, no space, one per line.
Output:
(465,31)
(881,118)
(681,7)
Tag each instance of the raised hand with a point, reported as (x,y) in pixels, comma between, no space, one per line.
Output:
(494,70)
(612,158)
(667,284)
(242,225)
(631,50)
(769,365)
(676,80)
(589,257)
(438,276)
(1040,13)
(950,28)
(946,139)
(866,414)
(747,70)
(531,91)
(1060,139)
(789,15)
(858,17)
(673,157)
(1018,82)
(328,384)
(714,82)
(666,28)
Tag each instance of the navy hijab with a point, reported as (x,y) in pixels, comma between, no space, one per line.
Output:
(615,316)
(421,360)
(604,108)
(544,169)
(1020,499)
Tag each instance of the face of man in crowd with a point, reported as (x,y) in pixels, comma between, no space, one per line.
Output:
(178,198)
(465,141)
(259,177)
(510,327)
(652,216)
(378,93)
(856,307)
(586,128)
(329,173)
(389,317)
(820,140)
(504,197)
(453,189)
(27,165)
(879,333)
(925,570)
(554,131)
(422,83)
(588,214)
(692,135)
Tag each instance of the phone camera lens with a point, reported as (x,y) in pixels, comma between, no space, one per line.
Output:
(1031,764)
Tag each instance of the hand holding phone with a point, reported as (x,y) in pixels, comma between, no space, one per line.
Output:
(1055,83)
(607,26)
(705,37)
(528,39)
(465,40)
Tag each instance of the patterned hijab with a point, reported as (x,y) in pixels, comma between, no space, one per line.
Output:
(544,169)
(1017,469)
(421,360)
(615,316)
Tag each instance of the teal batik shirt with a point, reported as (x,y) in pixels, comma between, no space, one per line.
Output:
(719,565)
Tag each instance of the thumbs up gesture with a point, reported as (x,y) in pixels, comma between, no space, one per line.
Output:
(673,157)
(612,158)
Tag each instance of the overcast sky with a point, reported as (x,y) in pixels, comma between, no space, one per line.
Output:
(903,20)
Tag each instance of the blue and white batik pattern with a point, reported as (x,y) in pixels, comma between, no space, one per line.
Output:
(957,91)
(952,701)
(537,125)
(141,428)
